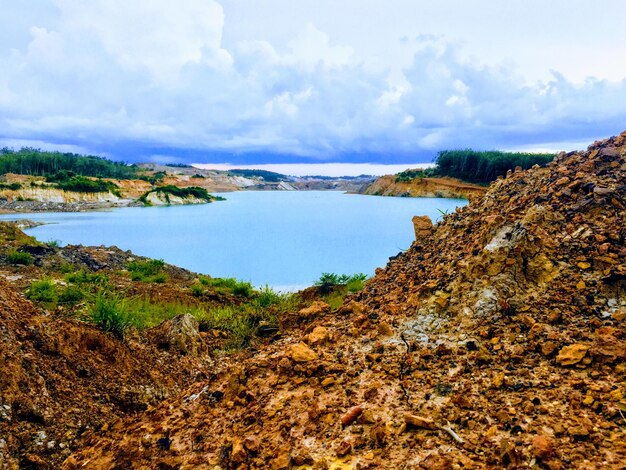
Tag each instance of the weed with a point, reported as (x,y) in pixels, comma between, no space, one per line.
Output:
(329,281)
(71,295)
(243,289)
(43,290)
(268,297)
(53,243)
(19,257)
(147,271)
(197,290)
(226,285)
(109,313)
(67,268)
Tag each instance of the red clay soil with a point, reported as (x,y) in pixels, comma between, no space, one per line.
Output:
(496,341)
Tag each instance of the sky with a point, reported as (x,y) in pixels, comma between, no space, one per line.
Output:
(292,82)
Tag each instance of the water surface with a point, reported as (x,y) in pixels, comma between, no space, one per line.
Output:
(283,238)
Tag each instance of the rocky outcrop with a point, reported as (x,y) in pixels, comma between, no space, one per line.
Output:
(164,199)
(422,225)
(423,187)
(496,341)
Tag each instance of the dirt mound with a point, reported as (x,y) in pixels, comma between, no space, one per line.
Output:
(62,378)
(497,340)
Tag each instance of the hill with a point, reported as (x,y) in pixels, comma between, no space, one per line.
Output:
(497,340)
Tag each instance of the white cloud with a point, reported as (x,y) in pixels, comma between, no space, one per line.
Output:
(157,75)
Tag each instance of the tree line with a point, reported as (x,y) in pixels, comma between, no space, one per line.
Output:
(61,166)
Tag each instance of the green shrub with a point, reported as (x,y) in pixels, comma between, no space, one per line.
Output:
(109,313)
(82,184)
(268,297)
(197,290)
(71,295)
(147,271)
(243,289)
(146,313)
(327,282)
(330,281)
(409,175)
(10,186)
(43,290)
(228,285)
(67,268)
(355,285)
(235,321)
(19,257)
(53,243)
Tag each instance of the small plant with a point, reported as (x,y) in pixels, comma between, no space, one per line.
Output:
(19,258)
(53,243)
(43,290)
(67,268)
(268,297)
(356,282)
(147,271)
(109,313)
(228,285)
(328,281)
(243,289)
(197,290)
(71,295)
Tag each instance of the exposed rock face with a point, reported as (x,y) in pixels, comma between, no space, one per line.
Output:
(423,187)
(503,347)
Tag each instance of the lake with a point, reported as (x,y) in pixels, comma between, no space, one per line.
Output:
(286,239)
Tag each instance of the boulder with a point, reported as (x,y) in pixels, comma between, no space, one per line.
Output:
(422,225)
(181,334)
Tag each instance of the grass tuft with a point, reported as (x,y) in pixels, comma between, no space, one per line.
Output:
(19,258)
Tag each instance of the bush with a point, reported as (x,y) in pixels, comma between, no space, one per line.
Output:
(197,290)
(19,257)
(228,285)
(329,281)
(71,295)
(268,297)
(147,271)
(237,322)
(82,184)
(43,290)
(243,289)
(409,175)
(10,186)
(109,313)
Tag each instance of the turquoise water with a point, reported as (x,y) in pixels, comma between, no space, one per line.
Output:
(283,238)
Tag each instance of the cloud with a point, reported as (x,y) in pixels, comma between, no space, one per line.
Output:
(153,77)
